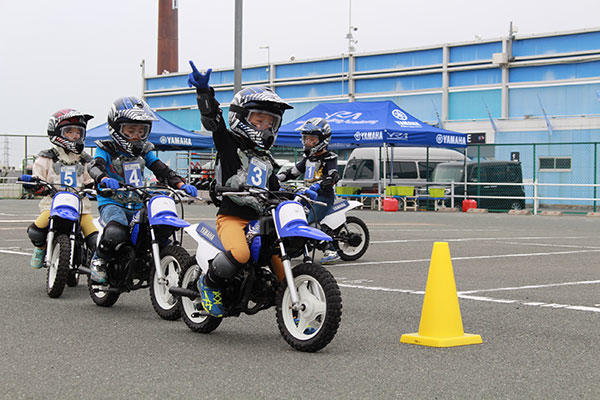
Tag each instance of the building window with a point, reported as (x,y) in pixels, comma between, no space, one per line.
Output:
(555,164)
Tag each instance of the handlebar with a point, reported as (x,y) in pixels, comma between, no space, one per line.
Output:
(55,187)
(245,190)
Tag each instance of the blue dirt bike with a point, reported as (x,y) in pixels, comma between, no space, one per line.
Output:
(308,302)
(153,257)
(66,251)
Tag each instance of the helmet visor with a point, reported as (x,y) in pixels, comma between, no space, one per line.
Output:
(263,120)
(309,140)
(72,133)
(132,131)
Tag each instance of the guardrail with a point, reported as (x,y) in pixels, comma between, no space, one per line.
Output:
(9,189)
(535,198)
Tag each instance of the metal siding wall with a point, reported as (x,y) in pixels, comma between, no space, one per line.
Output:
(471,104)
(400,83)
(474,52)
(399,60)
(307,69)
(556,44)
(312,90)
(221,77)
(557,100)
(224,96)
(187,119)
(555,72)
(166,82)
(255,74)
(172,100)
(476,77)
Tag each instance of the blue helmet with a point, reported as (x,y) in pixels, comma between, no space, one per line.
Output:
(130,110)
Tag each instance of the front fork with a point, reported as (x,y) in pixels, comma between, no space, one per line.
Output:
(156,257)
(50,242)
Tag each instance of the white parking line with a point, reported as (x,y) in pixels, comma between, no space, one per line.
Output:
(593,250)
(465,295)
(15,252)
(547,285)
(478,239)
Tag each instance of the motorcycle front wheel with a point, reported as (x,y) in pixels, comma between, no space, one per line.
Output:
(192,312)
(59,269)
(357,239)
(315,324)
(172,261)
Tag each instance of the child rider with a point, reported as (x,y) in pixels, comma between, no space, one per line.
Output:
(122,160)
(65,163)
(243,157)
(319,167)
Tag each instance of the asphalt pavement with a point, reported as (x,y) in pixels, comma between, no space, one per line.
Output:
(529,285)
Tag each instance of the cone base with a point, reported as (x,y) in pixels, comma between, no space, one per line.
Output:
(433,341)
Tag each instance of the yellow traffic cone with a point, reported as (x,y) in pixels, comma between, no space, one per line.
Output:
(441,324)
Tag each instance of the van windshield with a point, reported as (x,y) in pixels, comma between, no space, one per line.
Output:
(448,173)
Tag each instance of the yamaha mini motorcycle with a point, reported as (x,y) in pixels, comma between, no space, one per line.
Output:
(349,233)
(66,251)
(308,302)
(153,257)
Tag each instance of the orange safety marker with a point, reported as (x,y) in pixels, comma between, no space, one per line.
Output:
(441,323)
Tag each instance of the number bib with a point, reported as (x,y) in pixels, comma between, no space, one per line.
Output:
(68,176)
(257,173)
(309,172)
(133,173)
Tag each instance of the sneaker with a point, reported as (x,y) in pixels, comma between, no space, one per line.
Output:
(98,270)
(212,300)
(329,257)
(38,258)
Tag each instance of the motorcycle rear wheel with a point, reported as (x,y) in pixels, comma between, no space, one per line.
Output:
(316,324)
(345,250)
(102,298)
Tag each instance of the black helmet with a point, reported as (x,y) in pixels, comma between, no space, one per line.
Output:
(255,99)
(320,128)
(63,121)
(134,111)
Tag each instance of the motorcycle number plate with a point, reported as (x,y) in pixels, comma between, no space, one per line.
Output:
(64,199)
(161,204)
(311,168)
(257,173)
(133,173)
(68,176)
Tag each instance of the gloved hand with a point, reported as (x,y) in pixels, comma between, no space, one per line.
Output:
(281,177)
(190,189)
(198,79)
(28,178)
(110,183)
(315,187)
(311,194)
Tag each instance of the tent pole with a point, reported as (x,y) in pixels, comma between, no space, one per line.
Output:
(465,175)
(391,165)
(384,166)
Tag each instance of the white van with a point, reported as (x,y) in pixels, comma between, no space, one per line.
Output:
(410,166)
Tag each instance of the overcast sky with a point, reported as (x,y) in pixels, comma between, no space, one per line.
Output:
(86,53)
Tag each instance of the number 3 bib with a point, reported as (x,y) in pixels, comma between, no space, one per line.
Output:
(258,173)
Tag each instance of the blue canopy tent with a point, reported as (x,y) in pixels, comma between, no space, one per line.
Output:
(371,124)
(164,136)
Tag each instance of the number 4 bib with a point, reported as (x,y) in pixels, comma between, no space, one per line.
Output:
(133,173)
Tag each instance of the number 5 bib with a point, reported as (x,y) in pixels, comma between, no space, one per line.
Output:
(68,176)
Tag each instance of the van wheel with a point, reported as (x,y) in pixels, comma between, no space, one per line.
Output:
(516,205)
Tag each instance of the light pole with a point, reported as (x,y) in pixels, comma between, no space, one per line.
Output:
(268,48)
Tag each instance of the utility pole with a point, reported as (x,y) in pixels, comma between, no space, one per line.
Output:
(237,47)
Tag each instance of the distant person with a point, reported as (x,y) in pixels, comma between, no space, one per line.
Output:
(65,164)
(319,167)
(122,159)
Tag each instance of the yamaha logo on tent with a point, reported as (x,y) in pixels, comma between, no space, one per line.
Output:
(398,114)
(174,140)
(449,139)
(163,140)
(373,135)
